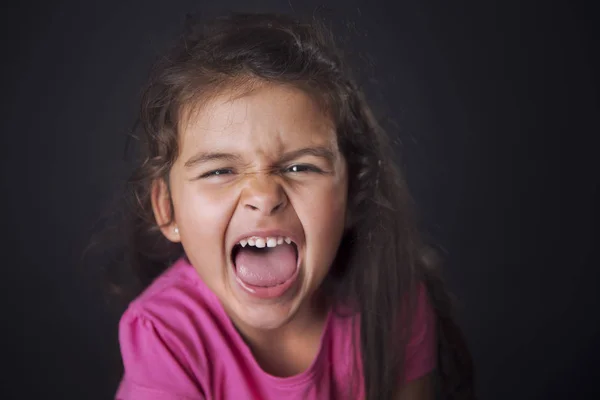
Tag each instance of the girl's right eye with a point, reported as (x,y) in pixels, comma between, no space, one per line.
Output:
(217,172)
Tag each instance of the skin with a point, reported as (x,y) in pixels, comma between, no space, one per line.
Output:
(263,179)
(242,167)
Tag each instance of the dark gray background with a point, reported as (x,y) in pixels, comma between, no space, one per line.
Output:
(496,106)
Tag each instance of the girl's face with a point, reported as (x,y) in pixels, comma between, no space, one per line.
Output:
(263,165)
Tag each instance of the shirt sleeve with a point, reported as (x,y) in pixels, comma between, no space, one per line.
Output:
(155,367)
(421,352)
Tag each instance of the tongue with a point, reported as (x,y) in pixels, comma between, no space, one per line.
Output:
(266,267)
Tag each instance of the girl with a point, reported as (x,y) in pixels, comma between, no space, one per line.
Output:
(273,235)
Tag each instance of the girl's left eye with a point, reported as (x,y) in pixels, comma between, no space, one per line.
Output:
(303,168)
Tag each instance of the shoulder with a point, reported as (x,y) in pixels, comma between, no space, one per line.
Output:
(163,335)
(179,282)
(421,350)
(173,300)
(423,314)
(420,355)
(177,306)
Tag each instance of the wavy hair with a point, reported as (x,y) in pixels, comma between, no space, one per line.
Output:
(375,278)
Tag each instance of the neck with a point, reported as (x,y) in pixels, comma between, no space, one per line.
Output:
(290,348)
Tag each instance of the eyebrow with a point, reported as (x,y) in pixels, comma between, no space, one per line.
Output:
(321,152)
(203,157)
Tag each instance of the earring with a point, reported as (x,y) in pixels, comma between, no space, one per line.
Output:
(176,230)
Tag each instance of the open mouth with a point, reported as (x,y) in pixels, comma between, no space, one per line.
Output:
(265,266)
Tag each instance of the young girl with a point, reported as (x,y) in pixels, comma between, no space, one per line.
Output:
(273,235)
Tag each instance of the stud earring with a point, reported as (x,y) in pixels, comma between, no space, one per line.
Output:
(176,230)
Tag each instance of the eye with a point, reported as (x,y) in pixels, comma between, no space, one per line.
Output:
(299,168)
(217,172)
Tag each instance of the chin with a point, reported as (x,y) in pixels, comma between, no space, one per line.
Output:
(263,313)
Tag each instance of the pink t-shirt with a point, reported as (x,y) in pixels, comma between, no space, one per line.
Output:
(177,342)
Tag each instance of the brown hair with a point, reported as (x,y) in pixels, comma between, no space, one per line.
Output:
(375,277)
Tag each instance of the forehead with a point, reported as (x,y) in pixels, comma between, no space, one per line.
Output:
(267,118)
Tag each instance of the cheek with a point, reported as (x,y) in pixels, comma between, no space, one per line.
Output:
(324,217)
(203,213)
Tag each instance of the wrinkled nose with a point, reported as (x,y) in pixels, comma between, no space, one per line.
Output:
(264,195)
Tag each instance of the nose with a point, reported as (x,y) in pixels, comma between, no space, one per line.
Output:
(264,195)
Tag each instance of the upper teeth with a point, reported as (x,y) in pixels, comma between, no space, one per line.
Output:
(261,242)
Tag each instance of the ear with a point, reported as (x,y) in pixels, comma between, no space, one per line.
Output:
(162,208)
